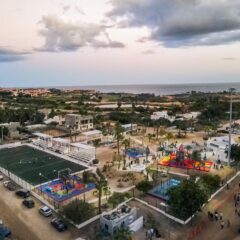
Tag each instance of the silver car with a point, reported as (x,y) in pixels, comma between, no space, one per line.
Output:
(45,211)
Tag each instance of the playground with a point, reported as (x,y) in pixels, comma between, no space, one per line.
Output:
(34,166)
(179,160)
(160,191)
(65,188)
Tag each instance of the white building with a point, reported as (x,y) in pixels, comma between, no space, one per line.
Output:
(130,128)
(189,116)
(219,147)
(78,122)
(123,216)
(163,114)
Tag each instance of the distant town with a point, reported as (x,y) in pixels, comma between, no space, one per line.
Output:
(116,165)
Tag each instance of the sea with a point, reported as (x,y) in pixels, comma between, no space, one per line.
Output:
(161,89)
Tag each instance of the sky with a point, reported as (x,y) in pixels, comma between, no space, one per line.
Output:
(105,42)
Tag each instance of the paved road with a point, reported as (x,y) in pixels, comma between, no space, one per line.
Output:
(223,202)
(27,224)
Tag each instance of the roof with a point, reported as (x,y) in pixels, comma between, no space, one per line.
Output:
(61,140)
(42,135)
(129,125)
(83,146)
(93,132)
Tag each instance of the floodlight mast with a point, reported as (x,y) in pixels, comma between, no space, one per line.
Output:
(231,91)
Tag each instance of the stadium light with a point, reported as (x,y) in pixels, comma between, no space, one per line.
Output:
(231,91)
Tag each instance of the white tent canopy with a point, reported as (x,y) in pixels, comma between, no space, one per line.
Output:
(61,140)
(42,135)
(91,133)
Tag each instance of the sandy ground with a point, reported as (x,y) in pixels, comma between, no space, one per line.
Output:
(28,224)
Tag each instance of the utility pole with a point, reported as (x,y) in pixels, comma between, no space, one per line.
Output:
(1,134)
(231,90)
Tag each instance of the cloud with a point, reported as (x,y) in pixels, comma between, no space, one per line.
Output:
(63,35)
(148,52)
(179,23)
(229,59)
(9,55)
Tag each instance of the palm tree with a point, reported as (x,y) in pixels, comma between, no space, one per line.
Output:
(126,144)
(118,135)
(85,180)
(100,184)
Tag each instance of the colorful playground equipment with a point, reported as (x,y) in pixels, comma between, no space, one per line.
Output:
(65,188)
(171,161)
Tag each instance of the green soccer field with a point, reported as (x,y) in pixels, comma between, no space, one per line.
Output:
(29,164)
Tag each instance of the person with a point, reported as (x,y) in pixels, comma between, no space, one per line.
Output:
(228,223)
(222,224)
(221,215)
(211,215)
(216,215)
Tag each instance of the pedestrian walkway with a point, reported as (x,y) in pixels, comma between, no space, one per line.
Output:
(224,223)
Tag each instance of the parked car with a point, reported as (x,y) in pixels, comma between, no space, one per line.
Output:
(45,211)
(58,224)
(1,177)
(29,203)
(4,231)
(9,185)
(23,193)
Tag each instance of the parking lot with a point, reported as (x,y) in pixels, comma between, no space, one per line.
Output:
(28,223)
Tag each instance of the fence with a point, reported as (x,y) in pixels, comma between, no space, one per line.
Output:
(190,218)
(17,179)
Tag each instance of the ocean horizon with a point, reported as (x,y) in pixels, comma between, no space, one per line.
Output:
(159,89)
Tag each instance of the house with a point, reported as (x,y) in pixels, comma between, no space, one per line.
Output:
(163,114)
(130,128)
(78,122)
(123,216)
(189,116)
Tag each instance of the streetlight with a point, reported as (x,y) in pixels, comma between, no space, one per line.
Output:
(231,91)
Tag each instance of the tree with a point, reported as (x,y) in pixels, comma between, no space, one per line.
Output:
(123,233)
(169,136)
(210,183)
(126,144)
(186,199)
(144,186)
(119,104)
(86,178)
(118,135)
(77,211)
(196,156)
(117,198)
(100,184)
(235,153)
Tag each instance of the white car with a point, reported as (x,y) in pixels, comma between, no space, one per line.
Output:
(1,177)
(45,211)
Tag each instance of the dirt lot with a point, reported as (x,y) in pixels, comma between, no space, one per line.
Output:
(28,224)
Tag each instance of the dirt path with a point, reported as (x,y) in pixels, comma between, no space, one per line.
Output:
(27,224)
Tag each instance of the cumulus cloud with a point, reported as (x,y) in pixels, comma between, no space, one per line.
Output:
(178,23)
(63,35)
(8,55)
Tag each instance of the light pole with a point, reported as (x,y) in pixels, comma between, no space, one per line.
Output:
(231,90)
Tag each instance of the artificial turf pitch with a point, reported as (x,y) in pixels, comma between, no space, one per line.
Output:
(27,162)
